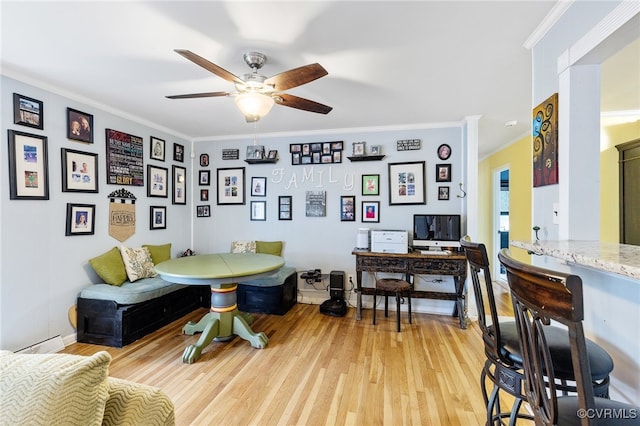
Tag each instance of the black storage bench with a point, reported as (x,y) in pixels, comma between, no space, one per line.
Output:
(104,320)
(274,294)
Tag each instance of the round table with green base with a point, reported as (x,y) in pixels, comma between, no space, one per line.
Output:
(221,272)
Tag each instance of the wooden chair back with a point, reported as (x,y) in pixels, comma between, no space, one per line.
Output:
(539,296)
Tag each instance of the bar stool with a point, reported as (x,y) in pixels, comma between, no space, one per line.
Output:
(392,285)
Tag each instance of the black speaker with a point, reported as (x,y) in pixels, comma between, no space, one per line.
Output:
(336,285)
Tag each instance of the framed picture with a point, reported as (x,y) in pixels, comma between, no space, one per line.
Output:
(231,186)
(79,171)
(80,219)
(125,162)
(157,180)
(347,208)
(28,166)
(370,184)
(371,211)
(28,112)
(407,183)
(443,172)
(178,152)
(179,185)
(444,152)
(273,154)
(255,152)
(79,126)
(258,210)
(443,193)
(284,207)
(157,217)
(259,186)
(204,195)
(359,148)
(375,150)
(157,149)
(204,160)
(203,211)
(204,177)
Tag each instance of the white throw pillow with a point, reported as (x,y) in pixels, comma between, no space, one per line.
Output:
(138,263)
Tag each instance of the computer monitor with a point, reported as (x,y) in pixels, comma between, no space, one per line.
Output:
(436,230)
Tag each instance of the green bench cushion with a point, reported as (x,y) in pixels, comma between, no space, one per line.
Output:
(131,292)
(274,279)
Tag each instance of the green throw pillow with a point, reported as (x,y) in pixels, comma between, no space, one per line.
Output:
(269,247)
(53,389)
(159,253)
(110,267)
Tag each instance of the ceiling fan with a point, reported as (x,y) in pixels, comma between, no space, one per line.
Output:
(255,94)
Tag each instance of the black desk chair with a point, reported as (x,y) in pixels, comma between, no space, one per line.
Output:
(396,286)
(502,347)
(539,296)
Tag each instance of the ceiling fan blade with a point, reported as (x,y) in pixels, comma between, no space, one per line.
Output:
(296,77)
(301,103)
(209,66)
(198,95)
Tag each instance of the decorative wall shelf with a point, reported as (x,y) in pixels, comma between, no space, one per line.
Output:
(262,161)
(366,158)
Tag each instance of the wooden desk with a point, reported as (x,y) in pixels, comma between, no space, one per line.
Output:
(220,272)
(415,263)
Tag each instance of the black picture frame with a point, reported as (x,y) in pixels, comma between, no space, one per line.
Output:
(156,148)
(79,171)
(80,219)
(231,187)
(347,208)
(124,155)
(157,217)
(316,153)
(28,166)
(443,192)
(204,160)
(285,209)
(179,179)
(79,126)
(407,183)
(370,211)
(178,152)
(444,152)
(258,186)
(203,211)
(443,172)
(28,112)
(157,181)
(204,177)
(258,210)
(370,184)
(204,195)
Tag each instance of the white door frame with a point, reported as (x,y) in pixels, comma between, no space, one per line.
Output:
(495,270)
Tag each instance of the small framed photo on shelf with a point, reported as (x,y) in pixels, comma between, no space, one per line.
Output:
(347,208)
(443,193)
(258,186)
(80,219)
(273,154)
(284,207)
(28,112)
(375,150)
(157,149)
(359,148)
(157,217)
(79,171)
(203,211)
(178,152)
(443,172)
(371,211)
(370,184)
(255,152)
(157,181)
(79,126)
(204,177)
(258,210)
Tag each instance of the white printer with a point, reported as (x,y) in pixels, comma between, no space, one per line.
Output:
(389,241)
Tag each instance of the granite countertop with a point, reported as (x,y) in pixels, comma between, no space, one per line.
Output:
(622,259)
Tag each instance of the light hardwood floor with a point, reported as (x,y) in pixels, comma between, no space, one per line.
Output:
(316,370)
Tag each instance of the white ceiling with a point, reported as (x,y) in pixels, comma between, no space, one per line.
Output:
(390,63)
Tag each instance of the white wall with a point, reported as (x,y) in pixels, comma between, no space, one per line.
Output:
(42,270)
(327,242)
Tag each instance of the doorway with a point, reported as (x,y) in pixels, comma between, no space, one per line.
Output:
(500,220)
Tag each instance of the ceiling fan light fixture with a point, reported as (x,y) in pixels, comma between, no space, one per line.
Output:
(254,105)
